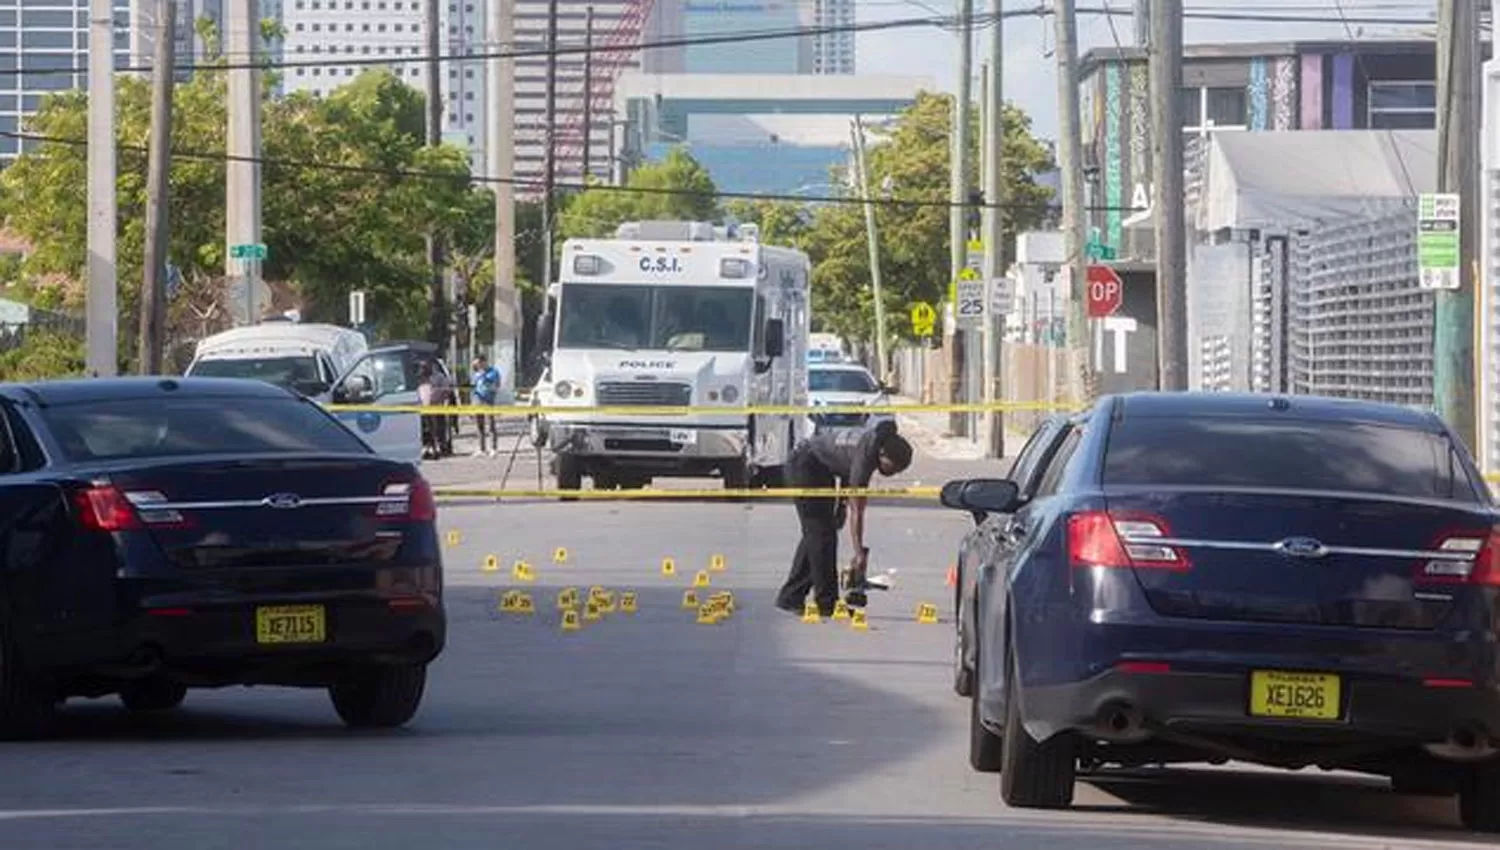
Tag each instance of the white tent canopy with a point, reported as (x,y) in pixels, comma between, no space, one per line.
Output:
(1278,180)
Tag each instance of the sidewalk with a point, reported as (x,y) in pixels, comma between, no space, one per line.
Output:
(930,433)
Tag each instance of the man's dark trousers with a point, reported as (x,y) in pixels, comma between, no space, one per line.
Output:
(815,564)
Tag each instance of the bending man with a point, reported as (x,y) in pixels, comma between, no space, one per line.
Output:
(849,459)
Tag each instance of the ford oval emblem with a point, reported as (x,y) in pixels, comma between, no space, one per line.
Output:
(284,501)
(368,423)
(1301,547)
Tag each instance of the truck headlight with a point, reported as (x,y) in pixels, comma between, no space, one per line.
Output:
(730,395)
(563,389)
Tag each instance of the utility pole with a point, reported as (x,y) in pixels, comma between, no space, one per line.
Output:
(438,321)
(588,88)
(862,177)
(1171,232)
(994,223)
(1458,70)
(549,148)
(242,172)
(958,192)
(1070,166)
(153,284)
(501,151)
(101,316)
(1142,20)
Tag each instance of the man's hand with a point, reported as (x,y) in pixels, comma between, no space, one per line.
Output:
(860,561)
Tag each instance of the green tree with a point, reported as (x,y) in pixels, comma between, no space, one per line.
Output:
(911,158)
(42,354)
(676,188)
(780,222)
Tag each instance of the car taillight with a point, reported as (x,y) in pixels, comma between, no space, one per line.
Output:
(105,509)
(1472,561)
(408,500)
(108,508)
(1102,539)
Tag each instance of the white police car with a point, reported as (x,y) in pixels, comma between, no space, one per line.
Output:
(845,384)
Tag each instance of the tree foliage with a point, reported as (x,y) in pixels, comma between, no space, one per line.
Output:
(676,188)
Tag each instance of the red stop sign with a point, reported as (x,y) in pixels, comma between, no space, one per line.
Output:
(1106,292)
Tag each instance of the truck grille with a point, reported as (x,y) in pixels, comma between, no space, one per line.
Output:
(840,420)
(644,393)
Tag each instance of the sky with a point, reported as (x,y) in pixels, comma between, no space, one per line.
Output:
(1029,75)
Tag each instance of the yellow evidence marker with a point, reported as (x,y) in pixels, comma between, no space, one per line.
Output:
(627,602)
(570,621)
(840,610)
(567,598)
(690,599)
(701,579)
(596,592)
(927,613)
(508,601)
(591,611)
(523,571)
(560,556)
(491,564)
(708,615)
(717,563)
(668,567)
(858,622)
(454,538)
(606,603)
(810,613)
(523,604)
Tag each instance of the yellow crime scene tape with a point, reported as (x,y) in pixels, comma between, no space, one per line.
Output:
(521,411)
(914,493)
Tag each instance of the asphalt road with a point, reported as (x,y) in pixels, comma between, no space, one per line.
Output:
(647,730)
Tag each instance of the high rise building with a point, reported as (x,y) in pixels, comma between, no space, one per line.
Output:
(50,39)
(362,30)
(833,52)
(829,53)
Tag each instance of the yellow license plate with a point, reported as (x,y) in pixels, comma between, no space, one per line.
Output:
(1298,696)
(291,624)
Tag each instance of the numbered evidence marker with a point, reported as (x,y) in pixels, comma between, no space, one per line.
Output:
(717,564)
(508,601)
(701,579)
(627,602)
(570,622)
(524,604)
(840,610)
(591,611)
(491,564)
(454,538)
(668,567)
(708,614)
(523,571)
(810,613)
(567,599)
(927,613)
(858,622)
(690,599)
(606,602)
(726,599)
(560,556)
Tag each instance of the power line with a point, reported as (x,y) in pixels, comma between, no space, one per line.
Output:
(276,162)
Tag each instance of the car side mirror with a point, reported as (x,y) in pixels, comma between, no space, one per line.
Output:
(356,389)
(981,495)
(775,338)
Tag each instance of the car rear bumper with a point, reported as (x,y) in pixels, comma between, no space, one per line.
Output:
(1214,704)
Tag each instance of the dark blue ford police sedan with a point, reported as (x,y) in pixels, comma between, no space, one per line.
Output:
(1204,577)
(160,534)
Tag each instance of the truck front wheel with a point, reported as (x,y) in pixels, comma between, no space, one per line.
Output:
(569,475)
(736,475)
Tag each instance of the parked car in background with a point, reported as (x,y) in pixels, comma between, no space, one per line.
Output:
(1195,577)
(196,532)
(388,375)
(845,384)
(305,358)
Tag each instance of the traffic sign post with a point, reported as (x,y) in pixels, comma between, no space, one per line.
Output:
(968,302)
(1105,291)
(248,251)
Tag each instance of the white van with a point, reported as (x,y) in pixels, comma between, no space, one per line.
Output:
(307,359)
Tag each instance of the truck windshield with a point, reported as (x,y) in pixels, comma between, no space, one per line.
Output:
(671,318)
(298,373)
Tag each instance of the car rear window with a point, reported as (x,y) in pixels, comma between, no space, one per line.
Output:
(1282,454)
(163,426)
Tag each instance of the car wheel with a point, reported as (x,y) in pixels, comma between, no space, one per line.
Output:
(26,697)
(986,749)
(379,696)
(148,695)
(1035,775)
(569,475)
(736,475)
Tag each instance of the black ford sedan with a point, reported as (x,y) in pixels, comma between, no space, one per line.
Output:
(161,534)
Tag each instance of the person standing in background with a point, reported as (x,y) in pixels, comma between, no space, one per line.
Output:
(486,382)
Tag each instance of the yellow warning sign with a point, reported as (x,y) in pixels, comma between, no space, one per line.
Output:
(923,319)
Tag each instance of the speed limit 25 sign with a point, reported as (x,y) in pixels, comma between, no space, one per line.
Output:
(968,306)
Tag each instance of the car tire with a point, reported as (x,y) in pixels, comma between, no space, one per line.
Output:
(150,695)
(1036,774)
(1479,797)
(379,696)
(27,700)
(736,475)
(569,475)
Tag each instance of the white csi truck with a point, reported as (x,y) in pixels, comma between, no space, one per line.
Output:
(667,314)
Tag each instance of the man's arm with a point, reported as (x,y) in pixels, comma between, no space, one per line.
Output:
(857,524)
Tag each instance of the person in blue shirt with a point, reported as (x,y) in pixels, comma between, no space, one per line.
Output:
(486,381)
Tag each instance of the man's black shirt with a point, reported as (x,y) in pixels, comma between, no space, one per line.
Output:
(849,456)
